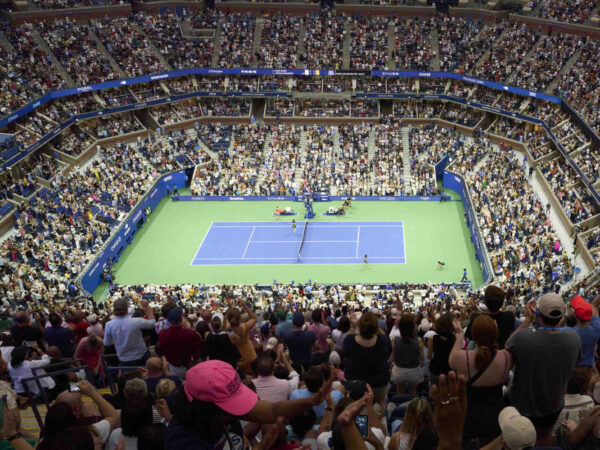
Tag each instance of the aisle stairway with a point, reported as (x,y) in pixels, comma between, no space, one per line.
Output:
(258,28)
(435,46)
(151,45)
(298,175)
(55,62)
(371,149)
(406,160)
(102,49)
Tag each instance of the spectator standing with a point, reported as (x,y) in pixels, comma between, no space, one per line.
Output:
(407,353)
(440,346)
(95,326)
(588,329)
(245,346)
(25,334)
(493,300)
(90,349)
(125,333)
(181,346)
(322,332)
(221,345)
(367,354)
(544,359)
(300,343)
(485,369)
(339,334)
(59,336)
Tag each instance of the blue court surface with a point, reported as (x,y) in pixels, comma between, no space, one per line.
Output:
(325,243)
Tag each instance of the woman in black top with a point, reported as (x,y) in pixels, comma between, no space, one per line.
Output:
(440,346)
(221,345)
(367,355)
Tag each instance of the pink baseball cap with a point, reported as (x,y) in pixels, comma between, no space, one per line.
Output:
(218,382)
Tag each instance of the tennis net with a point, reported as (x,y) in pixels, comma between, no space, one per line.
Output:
(302,240)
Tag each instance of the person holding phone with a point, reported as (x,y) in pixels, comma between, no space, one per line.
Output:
(23,359)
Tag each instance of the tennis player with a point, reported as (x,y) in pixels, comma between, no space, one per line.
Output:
(366,259)
(294,225)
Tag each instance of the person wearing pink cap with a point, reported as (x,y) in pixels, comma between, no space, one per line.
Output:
(588,329)
(208,410)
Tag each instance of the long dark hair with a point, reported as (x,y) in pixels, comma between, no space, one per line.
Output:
(197,416)
(406,325)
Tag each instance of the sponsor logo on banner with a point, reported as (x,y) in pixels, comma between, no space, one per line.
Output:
(170,177)
(458,180)
(140,105)
(137,216)
(11,118)
(424,74)
(159,77)
(276,198)
(236,198)
(115,244)
(387,198)
(84,89)
(153,193)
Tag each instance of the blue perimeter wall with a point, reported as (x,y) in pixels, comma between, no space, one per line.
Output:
(135,220)
(458,185)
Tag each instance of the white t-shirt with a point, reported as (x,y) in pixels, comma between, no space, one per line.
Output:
(115,438)
(103,430)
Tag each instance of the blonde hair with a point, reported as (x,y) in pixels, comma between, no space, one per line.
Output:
(164,388)
(418,418)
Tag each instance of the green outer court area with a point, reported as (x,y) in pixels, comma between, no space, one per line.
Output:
(162,250)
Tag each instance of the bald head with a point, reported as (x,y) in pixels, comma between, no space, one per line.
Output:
(154,367)
(73,399)
(21,318)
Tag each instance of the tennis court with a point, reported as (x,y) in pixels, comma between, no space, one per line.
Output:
(312,243)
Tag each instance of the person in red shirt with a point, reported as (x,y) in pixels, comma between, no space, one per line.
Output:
(179,345)
(79,326)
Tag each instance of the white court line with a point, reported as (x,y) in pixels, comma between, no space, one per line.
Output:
(312,226)
(404,243)
(328,242)
(309,257)
(200,246)
(248,243)
(357,241)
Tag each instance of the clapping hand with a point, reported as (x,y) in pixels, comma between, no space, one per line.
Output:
(322,393)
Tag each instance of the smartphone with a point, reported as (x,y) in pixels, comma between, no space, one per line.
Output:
(73,387)
(362,424)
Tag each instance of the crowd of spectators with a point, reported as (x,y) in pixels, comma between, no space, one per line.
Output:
(279,46)
(237,37)
(76,50)
(323,41)
(128,46)
(463,42)
(321,108)
(429,367)
(574,11)
(413,49)
(569,189)
(369,43)
(166,35)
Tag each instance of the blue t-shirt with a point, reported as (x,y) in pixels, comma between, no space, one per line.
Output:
(60,337)
(300,345)
(589,338)
(318,409)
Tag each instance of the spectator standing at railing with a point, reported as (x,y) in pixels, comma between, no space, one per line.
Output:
(125,332)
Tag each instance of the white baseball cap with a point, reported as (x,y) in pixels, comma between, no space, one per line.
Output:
(517,431)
